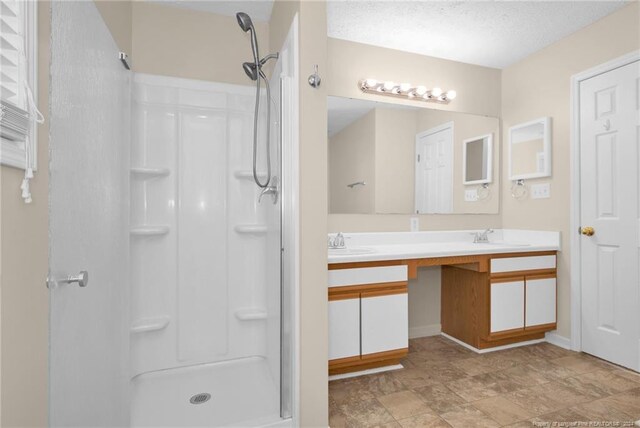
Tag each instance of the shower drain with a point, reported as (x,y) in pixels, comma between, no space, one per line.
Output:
(200,398)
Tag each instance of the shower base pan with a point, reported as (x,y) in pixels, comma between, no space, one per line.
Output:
(237,393)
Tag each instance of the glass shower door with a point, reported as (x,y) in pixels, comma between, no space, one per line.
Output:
(88,230)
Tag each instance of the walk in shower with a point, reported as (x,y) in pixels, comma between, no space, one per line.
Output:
(186,317)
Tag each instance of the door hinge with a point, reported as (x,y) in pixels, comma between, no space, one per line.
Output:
(418,158)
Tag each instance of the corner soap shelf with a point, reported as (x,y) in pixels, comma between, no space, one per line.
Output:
(147,173)
(148,230)
(251,314)
(248,175)
(149,324)
(252,229)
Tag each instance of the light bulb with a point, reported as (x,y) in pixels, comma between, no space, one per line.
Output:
(421,90)
(388,85)
(436,92)
(370,83)
(451,94)
(404,87)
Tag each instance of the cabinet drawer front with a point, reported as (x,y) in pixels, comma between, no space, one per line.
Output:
(385,323)
(344,328)
(541,301)
(515,264)
(369,275)
(507,306)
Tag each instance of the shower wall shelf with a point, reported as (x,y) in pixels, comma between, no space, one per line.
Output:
(248,175)
(251,314)
(144,172)
(150,324)
(149,230)
(254,229)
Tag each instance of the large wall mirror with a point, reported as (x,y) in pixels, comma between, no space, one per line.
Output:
(389,158)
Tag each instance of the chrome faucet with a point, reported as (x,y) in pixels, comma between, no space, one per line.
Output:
(337,241)
(481,237)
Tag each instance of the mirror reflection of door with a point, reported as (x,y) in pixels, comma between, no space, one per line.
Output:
(434,170)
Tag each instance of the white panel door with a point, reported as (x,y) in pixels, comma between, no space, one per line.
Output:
(385,323)
(344,328)
(434,170)
(88,221)
(507,306)
(540,300)
(609,139)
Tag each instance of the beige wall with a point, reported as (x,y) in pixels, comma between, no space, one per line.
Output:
(468,126)
(479,92)
(540,86)
(24,298)
(395,151)
(352,158)
(191,44)
(117,15)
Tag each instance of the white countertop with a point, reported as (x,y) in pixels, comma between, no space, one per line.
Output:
(418,245)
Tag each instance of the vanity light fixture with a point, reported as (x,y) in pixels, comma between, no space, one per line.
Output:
(406,90)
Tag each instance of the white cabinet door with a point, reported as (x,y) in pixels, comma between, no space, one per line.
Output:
(507,305)
(540,301)
(385,323)
(344,328)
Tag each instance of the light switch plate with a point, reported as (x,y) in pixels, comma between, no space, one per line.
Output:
(471,195)
(541,191)
(414,224)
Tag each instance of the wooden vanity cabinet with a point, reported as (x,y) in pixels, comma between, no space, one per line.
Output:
(368,317)
(513,301)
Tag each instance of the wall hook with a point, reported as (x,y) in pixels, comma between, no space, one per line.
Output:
(314,79)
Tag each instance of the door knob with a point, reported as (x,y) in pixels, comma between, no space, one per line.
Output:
(587,231)
(82,278)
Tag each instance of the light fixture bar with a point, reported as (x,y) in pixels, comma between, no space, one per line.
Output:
(406,91)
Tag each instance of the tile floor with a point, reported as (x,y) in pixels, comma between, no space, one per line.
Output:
(446,385)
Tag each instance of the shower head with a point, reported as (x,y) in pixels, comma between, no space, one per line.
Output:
(244,21)
(251,70)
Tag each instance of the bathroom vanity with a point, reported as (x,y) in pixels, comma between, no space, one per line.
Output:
(494,293)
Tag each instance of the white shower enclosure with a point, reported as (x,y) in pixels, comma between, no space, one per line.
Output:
(187,318)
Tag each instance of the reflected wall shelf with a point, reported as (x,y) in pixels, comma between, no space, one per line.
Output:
(146,173)
(149,230)
(251,314)
(149,324)
(254,229)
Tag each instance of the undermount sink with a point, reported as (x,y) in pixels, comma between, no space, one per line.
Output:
(505,244)
(353,251)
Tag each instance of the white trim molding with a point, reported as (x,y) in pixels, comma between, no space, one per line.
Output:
(555,339)
(574,241)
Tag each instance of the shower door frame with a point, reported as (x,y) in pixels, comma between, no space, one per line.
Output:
(290,200)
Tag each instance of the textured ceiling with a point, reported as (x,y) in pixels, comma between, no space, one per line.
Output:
(489,33)
(259,10)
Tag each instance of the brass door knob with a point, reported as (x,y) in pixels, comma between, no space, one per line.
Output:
(588,231)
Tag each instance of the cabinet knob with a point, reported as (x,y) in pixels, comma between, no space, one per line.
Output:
(587,231)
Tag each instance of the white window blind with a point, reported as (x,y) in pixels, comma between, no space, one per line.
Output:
(18,112)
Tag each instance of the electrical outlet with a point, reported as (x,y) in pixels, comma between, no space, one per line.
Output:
(414,224)
(541,191)
(471,195)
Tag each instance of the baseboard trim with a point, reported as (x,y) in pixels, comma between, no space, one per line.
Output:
(366,372)
(495,348)
(425,331)
(556,339)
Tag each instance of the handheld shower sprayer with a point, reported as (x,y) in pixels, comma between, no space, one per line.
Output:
(254,71)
